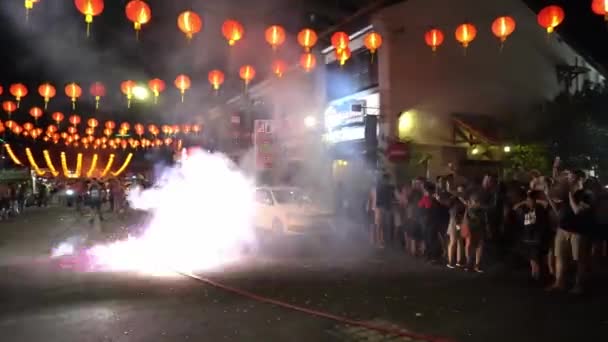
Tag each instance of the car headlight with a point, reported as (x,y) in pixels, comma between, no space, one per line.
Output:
(69,192)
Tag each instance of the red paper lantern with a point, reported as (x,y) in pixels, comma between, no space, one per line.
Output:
(502,27)
(308,61)
(247,73)
(372,41)
(57,117)
(190,23)
(157,86)
(47,91)
(92,123)
(139,129)
(9,107)
(600,7)
(124,127)
(51,129)
(98,90)
(28,126)
(19,91)
(126,88)
(550,17)
(434,38)
(307,38)
(233,31)
(36,113)
(110,124)
(196,128)
(182,82)
(139,13)
(275,36)
(340,40)
(74,120)
(465,34)
(72,130)
(216,78)
(89,131)
(153,129)
(90,9)
(73,91)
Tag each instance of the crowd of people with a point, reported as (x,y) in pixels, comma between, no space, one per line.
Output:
(15,197)
(550,221)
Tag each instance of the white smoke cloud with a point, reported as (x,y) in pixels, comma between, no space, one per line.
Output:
(202,214)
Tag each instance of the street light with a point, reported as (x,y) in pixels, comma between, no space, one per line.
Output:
(310,121)
(507,149)
(141,93)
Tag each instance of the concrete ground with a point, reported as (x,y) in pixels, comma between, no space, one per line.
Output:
(40,301)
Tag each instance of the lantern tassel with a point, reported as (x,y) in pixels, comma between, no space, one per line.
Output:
(372,59)
(88,30)
(46,104)
(73,105)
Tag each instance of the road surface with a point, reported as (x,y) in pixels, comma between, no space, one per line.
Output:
(43,302)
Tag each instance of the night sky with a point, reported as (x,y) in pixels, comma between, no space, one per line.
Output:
(53,47)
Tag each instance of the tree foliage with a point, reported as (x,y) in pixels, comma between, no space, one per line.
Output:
(572,126)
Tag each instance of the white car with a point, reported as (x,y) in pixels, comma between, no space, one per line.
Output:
(287,210)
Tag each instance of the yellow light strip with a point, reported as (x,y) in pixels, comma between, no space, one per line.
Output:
(124,165)
(64,165)
(78,165)
(12,155)
(49,163)
(93,165)
(28,153)
(108,165)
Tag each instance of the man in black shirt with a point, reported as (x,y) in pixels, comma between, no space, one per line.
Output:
(571,238)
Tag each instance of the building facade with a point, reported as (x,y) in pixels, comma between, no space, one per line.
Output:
(450,105)
(458,92)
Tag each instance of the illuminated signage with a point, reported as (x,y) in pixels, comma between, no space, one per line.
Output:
(345,134)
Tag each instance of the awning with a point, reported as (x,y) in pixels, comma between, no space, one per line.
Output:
(475,129)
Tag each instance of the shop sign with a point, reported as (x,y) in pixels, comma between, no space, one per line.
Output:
(263,143)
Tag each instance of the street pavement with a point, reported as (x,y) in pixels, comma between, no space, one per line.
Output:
(40,301)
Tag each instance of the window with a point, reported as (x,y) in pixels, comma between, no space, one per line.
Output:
(358,73)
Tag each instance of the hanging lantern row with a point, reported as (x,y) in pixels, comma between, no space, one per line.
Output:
(51,135)
(92,124)
(190,23)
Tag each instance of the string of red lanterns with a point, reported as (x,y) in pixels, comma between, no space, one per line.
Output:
(190,23)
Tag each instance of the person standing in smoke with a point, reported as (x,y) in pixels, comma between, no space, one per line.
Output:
(383,205)
(95,200)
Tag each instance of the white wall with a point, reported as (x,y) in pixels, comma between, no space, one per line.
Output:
(484,81)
